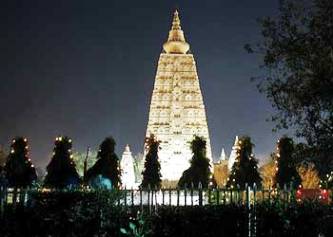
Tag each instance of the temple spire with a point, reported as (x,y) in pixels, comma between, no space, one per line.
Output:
(176,41)
(176,21)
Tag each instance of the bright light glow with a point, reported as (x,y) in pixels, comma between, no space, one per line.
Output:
(127,169)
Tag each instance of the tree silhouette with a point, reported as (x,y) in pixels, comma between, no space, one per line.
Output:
(61,172)
(286,172)
(3,157)
(107,164)
(296,48)
(19,170)
(245,168)
(151,175)
(199,171)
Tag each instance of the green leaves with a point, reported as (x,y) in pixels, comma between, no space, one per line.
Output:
(124,231)
(296,48)
(137,227)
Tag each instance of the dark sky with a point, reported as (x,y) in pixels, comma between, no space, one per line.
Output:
(86,69)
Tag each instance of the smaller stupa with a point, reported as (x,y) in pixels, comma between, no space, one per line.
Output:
(233,153)
(223,156)
(127,169)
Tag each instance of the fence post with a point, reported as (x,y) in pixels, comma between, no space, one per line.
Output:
(148,200)
(153,191)
(185,195)
(217,195)
(14,197)
(209,196)
(292,192)
(200,193)
(247,198)
(254,209)
(177,197)
(141,199)
(125,201)
(238,193)
(154,198)
(254,193)
(132,196)
(170,196)
(224,197)
(262,194)
(163,196)
(24,197)
(2,200)
(156,203)
(119,197)
(192,194)
(248,207)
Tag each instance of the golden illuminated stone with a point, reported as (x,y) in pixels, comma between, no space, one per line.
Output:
(176,41)
(177,111)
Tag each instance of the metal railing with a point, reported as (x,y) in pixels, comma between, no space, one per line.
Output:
(170,196)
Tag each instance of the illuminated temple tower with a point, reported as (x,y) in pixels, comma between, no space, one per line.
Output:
(177,111)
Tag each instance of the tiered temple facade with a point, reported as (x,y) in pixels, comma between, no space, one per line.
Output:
(177,111)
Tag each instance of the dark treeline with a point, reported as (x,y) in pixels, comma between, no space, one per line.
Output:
(18,170)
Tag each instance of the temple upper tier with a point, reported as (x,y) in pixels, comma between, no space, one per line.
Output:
(176,42)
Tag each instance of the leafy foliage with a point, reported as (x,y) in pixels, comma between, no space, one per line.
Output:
(66,213)
(297,57)
(309,176)
(107,164)
(267,172)
(151,175)
(19,170)
(199,171)
(79,159)
(3,157)
(137,227)
(327,181)
(245,169)
(61,172)
(221,174)
(74,213)
(286,173)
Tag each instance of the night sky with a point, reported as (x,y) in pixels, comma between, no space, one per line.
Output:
(86,69)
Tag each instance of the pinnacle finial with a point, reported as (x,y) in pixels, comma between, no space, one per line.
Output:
(223,155)
(127,148)
(176,41)
(176,21)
